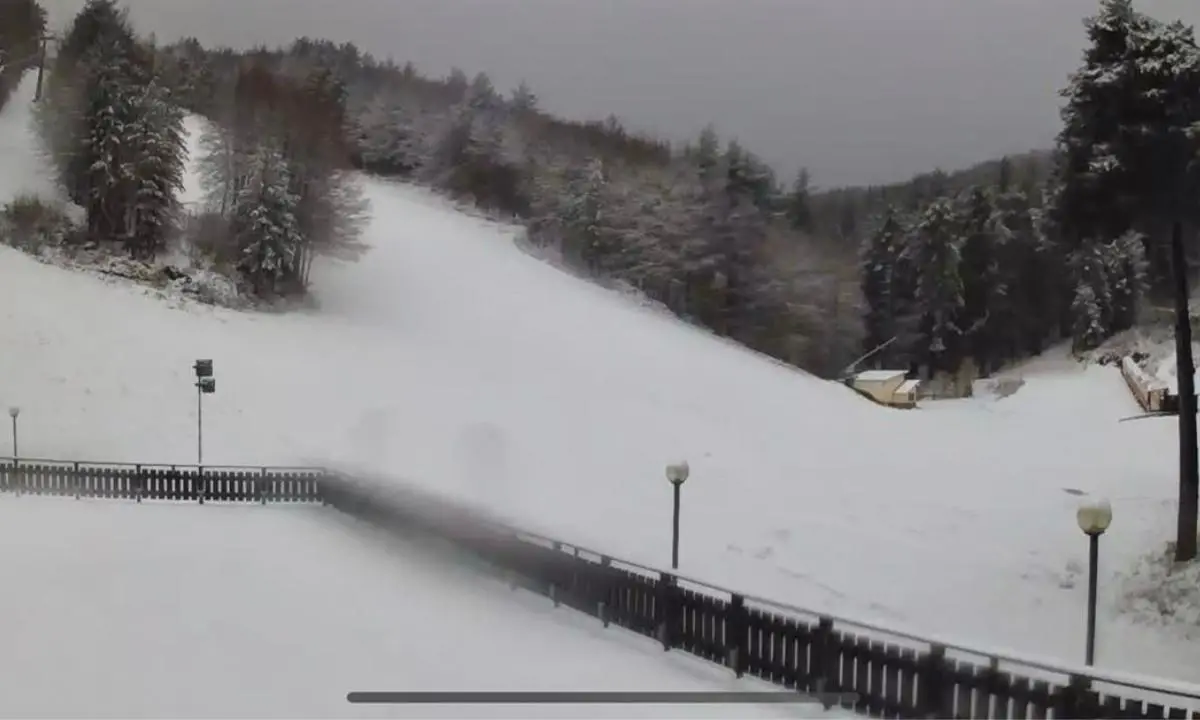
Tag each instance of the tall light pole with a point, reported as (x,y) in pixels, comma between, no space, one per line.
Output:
(1185,369)
(677,475)
(1094,517)
(206,384)
(14,412)
(46,37)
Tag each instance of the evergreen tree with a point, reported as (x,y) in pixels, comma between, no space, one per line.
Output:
(799,212)
(1091,306)
(980,272)
(878,263)
(105,156)
(935,251)
(581,214)
(385,137)
(159,152)
(1124,154)
(266,226)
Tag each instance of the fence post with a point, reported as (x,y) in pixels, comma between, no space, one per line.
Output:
(605,591)
(200,483)
(138,481)
(1074,699)
(667,610)
(260,486)
(554,576)
(826,656)
(75,480)
(735,634)
(931,681)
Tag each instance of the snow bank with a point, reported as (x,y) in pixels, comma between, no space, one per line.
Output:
(159,610)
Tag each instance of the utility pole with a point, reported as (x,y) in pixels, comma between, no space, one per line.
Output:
(1185,372)
(46,37)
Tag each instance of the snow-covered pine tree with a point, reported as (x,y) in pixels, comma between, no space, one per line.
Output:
(934,249)
(98,39)
(265,225)
(1128,136)
(1090,267)
(1087,326)
(523,100)
(105,146)
(736,199)
(583,242)
(158,156)
(980,272)
(798,203)
(878,263)
(473,155)
(385,137)
(1125,262)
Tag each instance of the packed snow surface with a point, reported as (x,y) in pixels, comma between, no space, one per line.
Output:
(115,609)
(450,358)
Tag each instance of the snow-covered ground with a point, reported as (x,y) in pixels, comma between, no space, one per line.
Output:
(450,358)
(114,609)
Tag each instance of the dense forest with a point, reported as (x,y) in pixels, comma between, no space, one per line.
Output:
(992,263)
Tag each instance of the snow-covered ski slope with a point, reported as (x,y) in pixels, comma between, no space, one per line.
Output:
(452,359)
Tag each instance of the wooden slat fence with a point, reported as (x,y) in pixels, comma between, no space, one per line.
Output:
(857,666)
(180,483)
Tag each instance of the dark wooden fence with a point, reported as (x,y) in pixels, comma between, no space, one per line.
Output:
(862,667)
(161,482)
(870,669)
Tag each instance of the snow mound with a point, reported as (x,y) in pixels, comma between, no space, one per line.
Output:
(1159,591)
(158,610)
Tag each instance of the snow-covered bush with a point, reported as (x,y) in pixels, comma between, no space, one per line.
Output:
(29,223)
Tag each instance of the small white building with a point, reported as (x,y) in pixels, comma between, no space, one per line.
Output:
(887,387)
(906,394)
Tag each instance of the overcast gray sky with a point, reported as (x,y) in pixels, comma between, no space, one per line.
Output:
(859,91)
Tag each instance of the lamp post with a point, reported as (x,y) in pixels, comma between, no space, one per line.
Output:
(14,412)
(206,384)
(1094,516)
(676,475)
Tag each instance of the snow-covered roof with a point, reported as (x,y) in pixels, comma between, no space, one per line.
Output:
(879,375)
(908,386)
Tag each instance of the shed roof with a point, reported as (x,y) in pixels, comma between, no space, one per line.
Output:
(879,375)
(908,386)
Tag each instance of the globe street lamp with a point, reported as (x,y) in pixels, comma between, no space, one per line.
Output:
(13,412)
(1094,516)
(676,475)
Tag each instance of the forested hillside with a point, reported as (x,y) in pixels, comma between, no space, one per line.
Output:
(992,263)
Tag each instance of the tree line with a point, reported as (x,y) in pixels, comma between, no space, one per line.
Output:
(992,263)
(705,229)
(272,161)
(995,272)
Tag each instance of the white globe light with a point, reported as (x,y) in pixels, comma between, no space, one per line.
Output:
(1094,516)
(678,473)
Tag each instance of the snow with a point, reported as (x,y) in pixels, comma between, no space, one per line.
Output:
(115,609)
(450,358)
(879,375)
